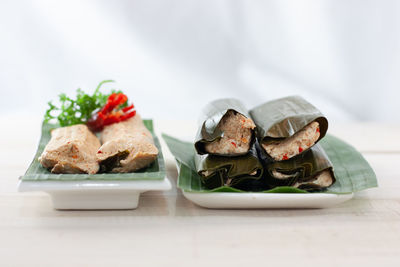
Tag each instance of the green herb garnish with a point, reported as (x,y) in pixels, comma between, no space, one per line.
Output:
(79,110)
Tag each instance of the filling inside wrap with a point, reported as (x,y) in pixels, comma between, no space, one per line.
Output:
(287,148)
(321,180)
(237,135)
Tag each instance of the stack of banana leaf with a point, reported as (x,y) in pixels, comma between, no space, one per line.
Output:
(225,145)
(274,144)
(288,132)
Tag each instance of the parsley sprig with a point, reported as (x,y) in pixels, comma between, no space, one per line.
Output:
(79,110)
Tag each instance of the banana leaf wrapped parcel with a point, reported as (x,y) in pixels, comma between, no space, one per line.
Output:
(288,126)
(225,129)
(309,171)
(352,171)
(216,171)
(289,153)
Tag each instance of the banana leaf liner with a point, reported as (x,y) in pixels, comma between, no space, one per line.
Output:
(300,171)
(282,118)
(209,123)
(36,172)
(217,171)
(352,171)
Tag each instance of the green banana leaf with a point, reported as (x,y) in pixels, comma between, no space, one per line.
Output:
(35,172)
(352,171)
(300,169)
(229,171)
(282,118)
(209,121)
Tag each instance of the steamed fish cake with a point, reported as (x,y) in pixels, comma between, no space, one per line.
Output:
(288,126)
(127,146)
(71,149)
(237,135)
(225,129)
(287,148)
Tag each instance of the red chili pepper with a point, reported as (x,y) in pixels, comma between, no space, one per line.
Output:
(300,149)
(318,130)
(234,144)
(107,108)
(101,116)
(285,157)
(125,109)
(113,101)
(124,99)
(112,112)
(116,99)
(120,99)
(111,97)
(128,115)
(112,118)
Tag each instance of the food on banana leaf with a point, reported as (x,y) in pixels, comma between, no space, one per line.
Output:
(226,129)
(126,146)
(71,149)
(309,171)
(352,171)
(288,126)
(216,171)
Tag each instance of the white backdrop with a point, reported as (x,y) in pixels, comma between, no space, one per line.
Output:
(171,57)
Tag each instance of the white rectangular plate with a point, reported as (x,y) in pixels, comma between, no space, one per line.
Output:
(89,194)
(266,200)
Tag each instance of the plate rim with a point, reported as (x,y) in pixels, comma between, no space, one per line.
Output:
(93,185)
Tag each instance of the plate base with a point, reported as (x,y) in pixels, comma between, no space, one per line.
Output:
(266,200)
(95,195)
(99,200)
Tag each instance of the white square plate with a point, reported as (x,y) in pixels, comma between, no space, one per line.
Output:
(89,194)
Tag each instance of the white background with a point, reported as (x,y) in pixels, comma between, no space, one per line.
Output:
(172,57)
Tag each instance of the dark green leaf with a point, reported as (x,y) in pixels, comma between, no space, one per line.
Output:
(352,171)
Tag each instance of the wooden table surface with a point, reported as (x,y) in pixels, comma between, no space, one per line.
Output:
(168,230)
